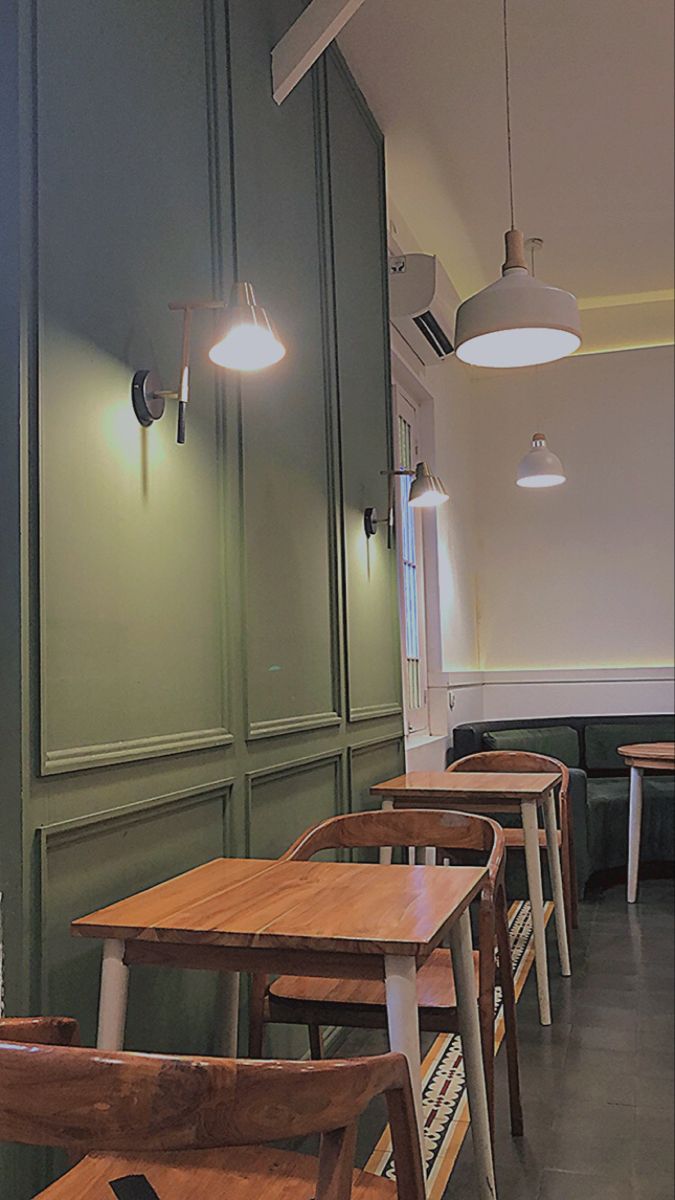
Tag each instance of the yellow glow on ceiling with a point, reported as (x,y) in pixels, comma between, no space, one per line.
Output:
(616,347)
(627,298)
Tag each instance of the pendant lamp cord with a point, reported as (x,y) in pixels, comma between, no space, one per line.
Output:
(232,150)
(507,81)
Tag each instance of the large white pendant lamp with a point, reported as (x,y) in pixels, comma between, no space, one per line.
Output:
(516,321)
(540,468)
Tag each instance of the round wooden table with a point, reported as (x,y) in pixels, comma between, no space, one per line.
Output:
(643,756)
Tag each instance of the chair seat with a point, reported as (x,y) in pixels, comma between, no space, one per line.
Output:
(515,838)
(435,987)
(238,1173)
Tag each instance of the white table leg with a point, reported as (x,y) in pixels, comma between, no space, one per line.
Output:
(112,1005)
(386,851)
(461,947)
(228,998)
(634,832)
(400,983)
(535,888)
(555,871)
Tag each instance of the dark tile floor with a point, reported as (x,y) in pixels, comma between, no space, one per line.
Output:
(598,1084)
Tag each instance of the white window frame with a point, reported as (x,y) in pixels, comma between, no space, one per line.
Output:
(411,570)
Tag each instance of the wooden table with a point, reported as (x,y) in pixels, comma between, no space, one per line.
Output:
(641,757)
(495,792)
(331,920)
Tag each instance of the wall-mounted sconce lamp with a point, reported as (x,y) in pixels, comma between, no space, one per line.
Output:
(426,491)
(249,342)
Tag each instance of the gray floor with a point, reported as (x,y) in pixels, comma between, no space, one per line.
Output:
(598,1084)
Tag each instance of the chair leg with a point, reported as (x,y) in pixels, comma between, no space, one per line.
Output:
(486,1002)
(510,1020)
(486,1013)
(575,890)
(256,1023)
(315,1041)
(574,882)
(336,1164)
(566,866)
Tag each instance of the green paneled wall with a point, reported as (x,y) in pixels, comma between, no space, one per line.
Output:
(359,254)
(200,649)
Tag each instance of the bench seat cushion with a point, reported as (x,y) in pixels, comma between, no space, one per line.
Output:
(558,741)
(602,740)
(607,807)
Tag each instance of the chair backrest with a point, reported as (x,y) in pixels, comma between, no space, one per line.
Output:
(45,1031)
(518,761)
(410,827)
(85,1099)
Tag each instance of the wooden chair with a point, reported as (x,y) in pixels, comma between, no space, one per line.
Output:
(44,1031)
(525,761)
(171,1118)
(360,1004)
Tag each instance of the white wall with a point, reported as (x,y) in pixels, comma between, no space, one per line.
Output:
(557,601)
(548,693)
(580,575)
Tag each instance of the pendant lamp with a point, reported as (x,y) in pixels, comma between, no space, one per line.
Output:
(540,468)
(518,320)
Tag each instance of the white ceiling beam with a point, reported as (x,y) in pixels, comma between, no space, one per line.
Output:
(306,40)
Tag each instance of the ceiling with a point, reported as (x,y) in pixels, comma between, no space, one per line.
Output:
(592,102)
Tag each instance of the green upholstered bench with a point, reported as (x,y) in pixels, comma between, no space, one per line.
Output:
(598,783)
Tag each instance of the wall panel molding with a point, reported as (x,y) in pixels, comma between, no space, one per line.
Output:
(140,810)
(134,750)
(373,711)
(391,761)
(292,769)
(290,576)
(287,725)
(374,743)
(371,622)
(141,475)
(90,861)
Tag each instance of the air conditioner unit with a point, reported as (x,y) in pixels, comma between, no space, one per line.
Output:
(422,303)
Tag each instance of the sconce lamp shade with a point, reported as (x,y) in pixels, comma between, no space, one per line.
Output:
(249,341)
(540,468)
(517,321)
(426,490)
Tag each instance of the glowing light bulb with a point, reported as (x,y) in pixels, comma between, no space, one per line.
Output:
(249,341)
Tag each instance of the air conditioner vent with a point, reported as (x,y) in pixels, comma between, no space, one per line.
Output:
(422,304)
(438,340)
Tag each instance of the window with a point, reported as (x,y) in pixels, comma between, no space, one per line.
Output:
(411,570)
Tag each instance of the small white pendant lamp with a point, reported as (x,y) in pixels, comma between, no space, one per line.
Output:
(516,321)
(540,468)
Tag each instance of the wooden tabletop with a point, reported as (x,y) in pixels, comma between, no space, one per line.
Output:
(660,756)
(348,908)
(465,785)
(238,1173)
